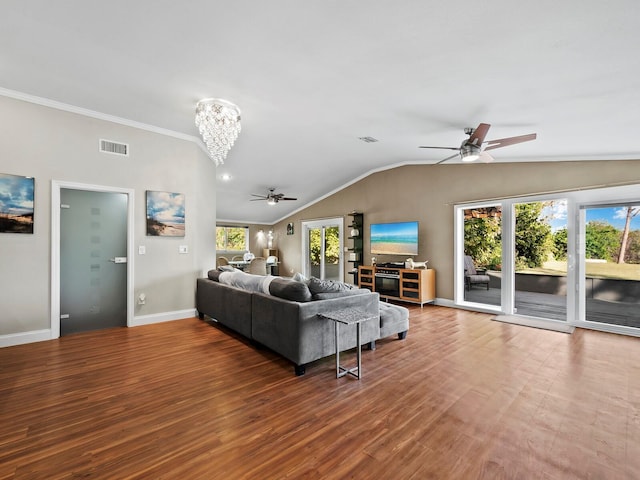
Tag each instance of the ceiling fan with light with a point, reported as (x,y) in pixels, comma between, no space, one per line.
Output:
(475,147)
(272,198)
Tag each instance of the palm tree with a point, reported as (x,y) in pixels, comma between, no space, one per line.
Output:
(631,212)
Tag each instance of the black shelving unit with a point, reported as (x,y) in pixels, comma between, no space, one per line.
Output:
(356,248)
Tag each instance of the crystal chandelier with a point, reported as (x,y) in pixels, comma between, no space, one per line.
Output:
(219,125)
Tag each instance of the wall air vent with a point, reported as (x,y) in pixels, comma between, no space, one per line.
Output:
(115,148)
(368,139)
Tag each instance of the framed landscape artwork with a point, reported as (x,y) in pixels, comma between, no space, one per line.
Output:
(16,203)
(165,214)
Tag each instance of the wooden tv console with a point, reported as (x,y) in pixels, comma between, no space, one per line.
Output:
(414,285)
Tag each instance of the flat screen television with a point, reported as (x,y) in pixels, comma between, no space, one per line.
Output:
(400,238)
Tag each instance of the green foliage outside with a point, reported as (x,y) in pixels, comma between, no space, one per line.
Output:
(632,254)
(231,239)
(536,244)
(533,239)
(332,246)
(483,241)
(602,241)
(560,244)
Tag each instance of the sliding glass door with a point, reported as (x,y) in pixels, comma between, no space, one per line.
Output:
(481,266)
(611,266)
(540,259)
(573,259)
(513,258)
(322,249)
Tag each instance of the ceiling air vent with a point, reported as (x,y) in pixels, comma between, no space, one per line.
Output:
(368,139)
(115,148)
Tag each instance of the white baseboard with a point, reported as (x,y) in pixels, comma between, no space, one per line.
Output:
(12,339)
(163,317)
(444,302)
(24,337)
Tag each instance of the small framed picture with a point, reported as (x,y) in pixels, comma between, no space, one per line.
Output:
(165,214)
(289,228)
(16,203)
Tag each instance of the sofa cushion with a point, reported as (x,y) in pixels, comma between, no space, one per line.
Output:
(214,275)
(327,286)
(289,290)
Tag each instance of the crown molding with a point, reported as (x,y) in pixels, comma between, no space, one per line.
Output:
(46,102)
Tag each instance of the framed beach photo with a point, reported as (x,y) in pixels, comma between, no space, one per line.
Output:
(165,214)
(16,203)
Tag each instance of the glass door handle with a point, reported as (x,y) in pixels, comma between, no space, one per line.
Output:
(118,259)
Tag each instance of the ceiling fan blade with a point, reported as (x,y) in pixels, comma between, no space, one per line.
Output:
(503,142)
(257,199)
(262,197)
(443,148)
(288,198)
(448,158)
(477,137)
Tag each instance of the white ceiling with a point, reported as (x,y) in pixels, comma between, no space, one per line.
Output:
(313,76)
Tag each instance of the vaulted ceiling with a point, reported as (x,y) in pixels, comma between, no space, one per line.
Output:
(311,77)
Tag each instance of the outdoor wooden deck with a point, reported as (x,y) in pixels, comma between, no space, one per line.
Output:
(546,305)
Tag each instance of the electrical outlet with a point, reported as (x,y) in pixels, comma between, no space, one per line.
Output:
(183,249)
(142,250)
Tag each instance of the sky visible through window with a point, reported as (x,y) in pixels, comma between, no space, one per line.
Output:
(615,216)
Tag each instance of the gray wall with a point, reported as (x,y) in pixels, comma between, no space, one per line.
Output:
(427,193)
(50,144)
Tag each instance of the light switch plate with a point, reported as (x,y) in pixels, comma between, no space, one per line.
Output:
(184,249)
(142,250)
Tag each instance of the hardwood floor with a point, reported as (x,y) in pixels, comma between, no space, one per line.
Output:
(463,397)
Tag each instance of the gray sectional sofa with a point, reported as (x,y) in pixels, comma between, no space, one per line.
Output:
(282,314)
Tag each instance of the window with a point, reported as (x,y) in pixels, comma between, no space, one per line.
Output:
(232,239)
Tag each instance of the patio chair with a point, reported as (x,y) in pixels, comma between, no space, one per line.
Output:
(257,266)
(473,275)
(237,258)
(222,261)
